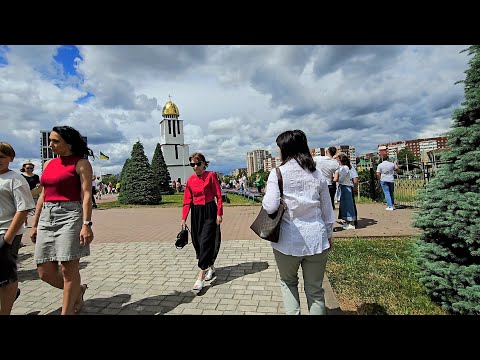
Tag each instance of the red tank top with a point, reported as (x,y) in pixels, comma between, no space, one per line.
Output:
(60,180)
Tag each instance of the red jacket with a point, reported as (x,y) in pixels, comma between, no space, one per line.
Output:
(204,188)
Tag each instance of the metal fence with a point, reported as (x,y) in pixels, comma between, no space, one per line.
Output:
(405,194)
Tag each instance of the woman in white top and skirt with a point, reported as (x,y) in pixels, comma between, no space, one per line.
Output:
(347,206)
(307,224)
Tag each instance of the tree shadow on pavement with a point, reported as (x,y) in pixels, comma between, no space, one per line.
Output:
(162,304)
(99,306)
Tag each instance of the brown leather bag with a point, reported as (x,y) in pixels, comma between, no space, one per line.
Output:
(267,226)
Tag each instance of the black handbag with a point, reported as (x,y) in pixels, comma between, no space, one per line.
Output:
(267,226)
(182,238)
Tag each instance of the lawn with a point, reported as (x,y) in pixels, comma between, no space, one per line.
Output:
(176,200)
(376,276)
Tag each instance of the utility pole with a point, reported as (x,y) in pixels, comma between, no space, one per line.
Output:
(406,160)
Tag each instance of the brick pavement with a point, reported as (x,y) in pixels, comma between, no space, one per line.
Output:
(135,269)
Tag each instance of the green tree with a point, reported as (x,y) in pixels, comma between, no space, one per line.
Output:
(406,155)
(449,248)
(160,172)
(125,166)
(111,178)
(138,184)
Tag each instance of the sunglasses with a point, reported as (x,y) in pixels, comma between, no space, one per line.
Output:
(29,168)
(196,163)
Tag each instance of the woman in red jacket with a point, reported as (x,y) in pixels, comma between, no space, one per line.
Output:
(200,191)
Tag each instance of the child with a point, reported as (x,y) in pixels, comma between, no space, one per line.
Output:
(15,202)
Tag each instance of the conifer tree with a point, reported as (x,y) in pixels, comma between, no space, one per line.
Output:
(160,172)
(138,185)
(449,249)
(123,170)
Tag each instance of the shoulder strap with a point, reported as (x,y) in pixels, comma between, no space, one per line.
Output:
(280,181)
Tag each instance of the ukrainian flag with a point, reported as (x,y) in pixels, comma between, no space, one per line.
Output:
(103,156)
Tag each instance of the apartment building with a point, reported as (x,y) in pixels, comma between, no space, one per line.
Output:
(255,160)
(416,146)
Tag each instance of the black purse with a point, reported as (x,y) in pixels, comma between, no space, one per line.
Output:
(182,238)
(267,226)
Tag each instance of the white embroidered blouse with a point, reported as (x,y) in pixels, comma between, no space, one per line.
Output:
(307,224)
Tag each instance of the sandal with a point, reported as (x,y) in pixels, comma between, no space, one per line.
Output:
(210,274)
(198,285)
(80,302)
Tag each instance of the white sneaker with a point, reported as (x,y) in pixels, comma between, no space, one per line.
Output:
(348,227)
(389,208)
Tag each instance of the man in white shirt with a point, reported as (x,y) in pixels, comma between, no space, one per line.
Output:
(327,166)
(385,171)
(15,202)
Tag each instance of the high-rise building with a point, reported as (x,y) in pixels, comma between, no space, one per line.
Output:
(348,150)
(175,151)
(271,163)
(255,160)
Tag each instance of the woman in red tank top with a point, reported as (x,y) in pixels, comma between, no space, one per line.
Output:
(61,227)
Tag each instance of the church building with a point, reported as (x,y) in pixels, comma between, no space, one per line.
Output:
(175,151)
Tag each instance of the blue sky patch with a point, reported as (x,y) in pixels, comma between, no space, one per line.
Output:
(66,56)
(85,98)
(3,55)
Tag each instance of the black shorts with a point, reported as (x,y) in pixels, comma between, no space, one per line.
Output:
(8,261)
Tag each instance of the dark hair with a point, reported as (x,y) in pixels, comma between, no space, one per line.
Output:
(25,164)
(332,150)
(344,160)
(7,149)
(293,145)
(73,137)
(199,157)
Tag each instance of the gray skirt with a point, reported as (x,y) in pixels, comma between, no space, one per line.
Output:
(58,232)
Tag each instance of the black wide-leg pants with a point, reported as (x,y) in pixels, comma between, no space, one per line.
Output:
(206,236)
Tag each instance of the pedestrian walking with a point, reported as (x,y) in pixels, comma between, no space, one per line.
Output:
(62,227)
(201,189)
(307,224)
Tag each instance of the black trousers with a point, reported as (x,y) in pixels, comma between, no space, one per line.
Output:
(206,236)
(332,189)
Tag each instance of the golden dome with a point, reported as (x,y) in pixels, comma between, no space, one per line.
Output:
(170,109)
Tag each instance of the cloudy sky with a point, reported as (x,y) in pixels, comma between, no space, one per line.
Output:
(233,99)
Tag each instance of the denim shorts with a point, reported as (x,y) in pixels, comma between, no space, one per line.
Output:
(8,261)
(58,232)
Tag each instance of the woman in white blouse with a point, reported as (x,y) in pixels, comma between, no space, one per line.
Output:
(307,224)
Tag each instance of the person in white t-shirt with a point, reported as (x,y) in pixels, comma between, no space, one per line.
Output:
(327,166)
(15,202)
(385,171)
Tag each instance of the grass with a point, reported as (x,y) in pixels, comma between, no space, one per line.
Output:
(176,200)
(376,276)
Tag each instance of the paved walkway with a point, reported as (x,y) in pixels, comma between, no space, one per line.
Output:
(134,267)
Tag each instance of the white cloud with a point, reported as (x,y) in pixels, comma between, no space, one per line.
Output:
(233,99)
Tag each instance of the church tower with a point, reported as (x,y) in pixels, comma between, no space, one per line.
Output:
(174,150)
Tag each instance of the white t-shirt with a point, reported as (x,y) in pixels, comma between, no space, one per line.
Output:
(353,173)
(15,196)
(327,167)
(386,170)
(344,176)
